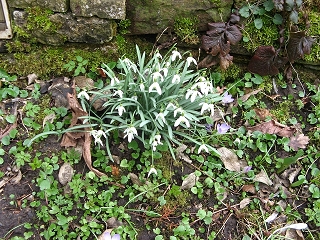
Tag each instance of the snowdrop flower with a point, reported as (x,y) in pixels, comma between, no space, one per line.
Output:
(97,134)
(83,94)
(157,75)
(178,110)
(130,132)
(156,142)
(165,71)
(107,236)
(223,128)
(135,97)
(119,93)
(156,86)
(205,87)
(120,109)
(152,170)
(114,81)
(171,105)
(193,94)
(161,116)
(227,98)
(206,106)
(191,60)
(175,54)
(203,147)
(158,55)
(182,119)
(176,79)
(142,87)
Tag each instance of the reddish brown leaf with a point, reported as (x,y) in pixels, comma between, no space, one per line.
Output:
(299,45)
(298,141)
(273,127)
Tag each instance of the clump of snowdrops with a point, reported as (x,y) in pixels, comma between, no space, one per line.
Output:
(163,100)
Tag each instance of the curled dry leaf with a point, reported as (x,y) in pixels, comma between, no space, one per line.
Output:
(250,188)
(135,179)
(263,178)
(49,118)
(298,141)
(31,78)
(244,202)
(229,159)
(15,180)
(273,127)
(189,181)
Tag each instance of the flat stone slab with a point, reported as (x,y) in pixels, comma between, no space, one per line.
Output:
(110,9)
(54,5)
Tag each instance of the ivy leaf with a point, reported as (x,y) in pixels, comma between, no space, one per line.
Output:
(265,61)
(294,16)
(268,5)
(299,45)
(277,19)
(244,11)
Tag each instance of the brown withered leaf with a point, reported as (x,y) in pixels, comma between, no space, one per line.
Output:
(250,188)
(263,113)
(298,141)
(273,127)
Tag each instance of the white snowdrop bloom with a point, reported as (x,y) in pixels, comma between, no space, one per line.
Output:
(205,87)
(155,86)
(142,87)
(158,55)
(119,93)
(178,110)
(152,170)
(161,116)
(130,132)
(180,120)
(156,142)
(191,60)
(157,138)
(193,94)
(120,109)
(165,71)
(135,97)
(171,105)
(167,64)
(176,79)
(203,147)
(83,94)
(206,106)
(157,75)
(97,134)
(175,54)
(114,81)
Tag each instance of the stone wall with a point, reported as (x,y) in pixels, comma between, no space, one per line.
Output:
(95,21)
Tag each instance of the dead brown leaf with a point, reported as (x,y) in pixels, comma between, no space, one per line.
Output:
(246,96)
(250,188)
(263,113)
(273,127)
(298,141)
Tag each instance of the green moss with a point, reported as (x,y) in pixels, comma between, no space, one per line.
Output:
(39,18)
(314,30)
(186,29)
(267,35)
(282,111)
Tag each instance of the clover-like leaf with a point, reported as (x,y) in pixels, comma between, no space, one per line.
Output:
(299,45)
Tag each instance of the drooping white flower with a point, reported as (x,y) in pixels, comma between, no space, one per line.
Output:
(114,81)
(178,110)
(83,94)
(193,94)
(130,132)
(207,106)
(180,120)
(175,54)
(161,116)
(176,79)
(97,134)
(119,93)
(205,87)
(142,87)
(203,147)
(152,170)
(171,105)
(156,142)
(157,75)
(191,60)
(120,109)
(158,55)
(156,86)
(165,71)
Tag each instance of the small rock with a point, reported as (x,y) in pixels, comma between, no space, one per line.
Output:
(65,173)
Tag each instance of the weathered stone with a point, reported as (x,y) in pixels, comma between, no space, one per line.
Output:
(110,9)
(71,29)
(152,17)
(54,5)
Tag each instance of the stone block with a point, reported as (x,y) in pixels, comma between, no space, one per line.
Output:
(54,5)
(152,17)
(110,9)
